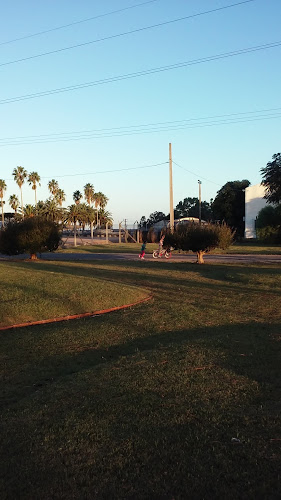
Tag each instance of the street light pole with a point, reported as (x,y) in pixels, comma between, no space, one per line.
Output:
(199,183)
(172,222)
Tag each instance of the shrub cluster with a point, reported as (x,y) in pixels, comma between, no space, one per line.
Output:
(200,238)
(268,224)
(269,234)
(31,235)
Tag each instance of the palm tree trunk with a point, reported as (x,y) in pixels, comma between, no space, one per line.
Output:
(21,201)
(2,204)
(92,230)
(35,197)
(75,242)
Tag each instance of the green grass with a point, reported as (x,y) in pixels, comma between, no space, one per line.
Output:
(31,291)
(144,403)
(238,248)
(110,248)
(254,247)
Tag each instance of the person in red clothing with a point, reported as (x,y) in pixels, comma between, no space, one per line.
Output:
(142,252)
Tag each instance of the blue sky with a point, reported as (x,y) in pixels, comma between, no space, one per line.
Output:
(215,154)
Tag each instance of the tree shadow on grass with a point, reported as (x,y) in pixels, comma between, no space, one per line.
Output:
(140,420)
(230,277)
(249,349)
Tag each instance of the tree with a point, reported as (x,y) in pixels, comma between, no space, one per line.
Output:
(77,195)
(53,187)
(14,202)
(34,179)
(268,224)
(29,211)
(105,217)
(154,218)
(50,210)
(89,197)
(76,213)
(272,179)
(189,207)
(89,193)
(143,222)
(60,197)
(3,187)
(100,200)
(31,235)
(200,238)
(20,175)
(229,205)
(269,216)
(91,216)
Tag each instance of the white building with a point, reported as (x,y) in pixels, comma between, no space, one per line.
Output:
(254,202)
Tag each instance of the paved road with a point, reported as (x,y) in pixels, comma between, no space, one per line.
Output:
(244,259)
(272,259)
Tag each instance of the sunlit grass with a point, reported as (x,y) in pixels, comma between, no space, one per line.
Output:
(31,291)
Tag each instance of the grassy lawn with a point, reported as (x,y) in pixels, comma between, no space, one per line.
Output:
(144,403)
(110,248)
(32,291)
(237,248)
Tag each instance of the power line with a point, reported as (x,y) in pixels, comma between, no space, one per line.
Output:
(125,33)
(227,115)
(103,171)
(196,174)
(146,72)
(191,123)
(77,22)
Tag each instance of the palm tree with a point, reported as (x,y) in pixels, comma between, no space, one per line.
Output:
(77,195)
(89,193)
(3,187)
(50,210)
(34,179)
(103,200)
(100,201)
(89,197)
(14,202)
(20,174)
(29,211)
(53,187)
(60,197)
(76,212)
(105,217)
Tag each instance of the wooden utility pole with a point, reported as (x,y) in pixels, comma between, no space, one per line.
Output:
(172,222)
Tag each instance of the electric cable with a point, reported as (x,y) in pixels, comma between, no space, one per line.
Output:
(103,171)
(137,74)
(125,33)
(119,132)
(78,22)
(195,174)
(227,115)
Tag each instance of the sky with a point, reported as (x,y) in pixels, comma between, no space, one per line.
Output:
(221,115)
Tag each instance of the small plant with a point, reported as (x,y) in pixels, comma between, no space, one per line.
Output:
(31,236)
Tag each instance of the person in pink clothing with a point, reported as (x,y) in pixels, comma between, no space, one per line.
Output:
(161,243)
